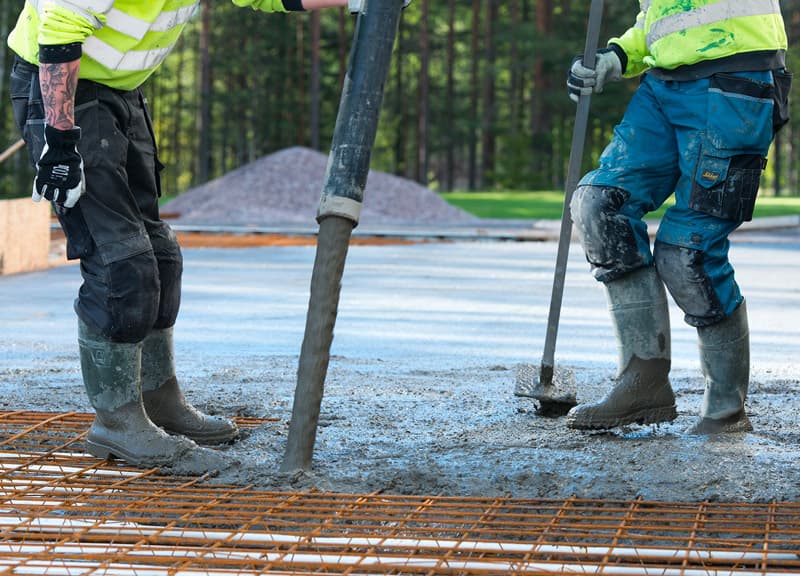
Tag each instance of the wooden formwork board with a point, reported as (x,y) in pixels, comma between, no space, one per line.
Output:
(24,235)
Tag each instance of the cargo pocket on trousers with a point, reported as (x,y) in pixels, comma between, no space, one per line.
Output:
(94,144)
(783,85)
(739,115)
(727,187)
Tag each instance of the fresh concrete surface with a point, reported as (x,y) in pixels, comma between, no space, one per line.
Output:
(419,396)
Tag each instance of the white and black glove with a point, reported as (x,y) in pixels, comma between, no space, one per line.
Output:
(356,6)
(59,171)
(583,80)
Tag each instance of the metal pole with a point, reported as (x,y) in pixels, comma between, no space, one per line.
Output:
(338,213)
(573,177)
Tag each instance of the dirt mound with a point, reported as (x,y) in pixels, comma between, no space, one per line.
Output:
(285,188)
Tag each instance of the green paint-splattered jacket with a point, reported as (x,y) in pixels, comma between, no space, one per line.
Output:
(687,39)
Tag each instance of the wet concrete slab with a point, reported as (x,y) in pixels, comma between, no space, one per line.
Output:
(462,301)
(420,388)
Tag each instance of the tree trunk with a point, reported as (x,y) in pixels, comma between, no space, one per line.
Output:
(299,78)
(177,148)
(474,177)
(777,165)
(400,107)
(4,30)
(423,97)
(314,111)
(343,44)
(204,117)
(449,179)
(541,114)
(514,88)
(488,96)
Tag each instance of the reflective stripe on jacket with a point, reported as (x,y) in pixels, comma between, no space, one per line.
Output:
(124,41)
(670,34)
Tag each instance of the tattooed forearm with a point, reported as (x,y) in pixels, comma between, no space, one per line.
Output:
(58,82)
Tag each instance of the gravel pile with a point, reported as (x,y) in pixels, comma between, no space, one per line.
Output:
(285,188)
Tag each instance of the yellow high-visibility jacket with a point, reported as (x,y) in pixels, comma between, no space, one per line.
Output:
(676,37)
(123,41)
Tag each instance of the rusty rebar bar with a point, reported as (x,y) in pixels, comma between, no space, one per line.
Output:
(63,512)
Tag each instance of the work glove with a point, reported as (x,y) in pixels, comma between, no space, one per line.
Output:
(583,80)
(356,6)
(59,171)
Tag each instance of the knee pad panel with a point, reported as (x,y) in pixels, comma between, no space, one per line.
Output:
(684,274)
(134,296)
(608,238)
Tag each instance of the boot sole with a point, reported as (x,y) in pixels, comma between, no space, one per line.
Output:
(207,439)
(109,452)
(707,426)
(647,416)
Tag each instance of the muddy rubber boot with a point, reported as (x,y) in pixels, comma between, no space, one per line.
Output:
(642,393)
(121,427)
(725,360)
(165,403)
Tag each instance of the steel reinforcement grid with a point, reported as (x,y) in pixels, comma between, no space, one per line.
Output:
(65,513)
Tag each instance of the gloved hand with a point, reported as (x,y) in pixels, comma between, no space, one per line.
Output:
(356,6)
(583,80)
(59,171)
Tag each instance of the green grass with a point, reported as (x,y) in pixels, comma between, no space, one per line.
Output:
(547,205)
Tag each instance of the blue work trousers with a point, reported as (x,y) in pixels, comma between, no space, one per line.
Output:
(706,142)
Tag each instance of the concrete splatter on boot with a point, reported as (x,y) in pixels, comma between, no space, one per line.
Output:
(725,360)
(165,403)
(642,393)
(121,428)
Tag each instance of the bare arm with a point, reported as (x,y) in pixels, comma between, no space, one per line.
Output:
(317,4)
(354,6)
(59,170)
(58,82)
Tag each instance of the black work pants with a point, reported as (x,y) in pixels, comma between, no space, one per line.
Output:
(130,261)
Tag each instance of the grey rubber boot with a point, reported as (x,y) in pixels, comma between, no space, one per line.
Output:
(642,393)
(164,401)
(121,428)
(725,360)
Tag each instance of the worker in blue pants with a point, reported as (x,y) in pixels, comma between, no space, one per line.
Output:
(713,93)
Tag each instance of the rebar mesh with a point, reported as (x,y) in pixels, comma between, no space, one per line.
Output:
(66,513)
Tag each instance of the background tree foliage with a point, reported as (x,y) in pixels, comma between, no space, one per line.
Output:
(475,98)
